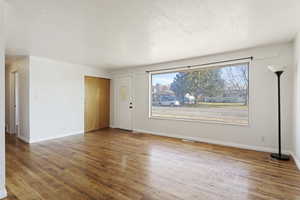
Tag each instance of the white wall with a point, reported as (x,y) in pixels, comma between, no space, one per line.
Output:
(57,98)
(2,104)
(261,134)
(20,65)
(296,103)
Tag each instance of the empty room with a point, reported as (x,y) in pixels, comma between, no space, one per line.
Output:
(149,100)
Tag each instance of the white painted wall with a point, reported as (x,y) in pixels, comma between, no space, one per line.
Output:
(57,98)
(261,134)
(20,65)
(2,104)
(296,102)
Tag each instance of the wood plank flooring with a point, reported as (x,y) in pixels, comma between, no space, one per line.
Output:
(115,164)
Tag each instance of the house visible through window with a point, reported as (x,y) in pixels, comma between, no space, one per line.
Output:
(213,94)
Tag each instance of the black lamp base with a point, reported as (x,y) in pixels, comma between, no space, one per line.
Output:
(280,157)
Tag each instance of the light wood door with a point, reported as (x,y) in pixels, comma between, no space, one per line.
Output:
(96,103)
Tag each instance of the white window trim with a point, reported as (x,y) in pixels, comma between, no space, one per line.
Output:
(246,61)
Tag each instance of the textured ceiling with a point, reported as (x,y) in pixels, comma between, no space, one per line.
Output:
(118,33)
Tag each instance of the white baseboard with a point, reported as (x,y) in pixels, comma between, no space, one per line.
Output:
(210,141)
(112,126)
(297,161)
(35,140)
(24,139)
(3,193)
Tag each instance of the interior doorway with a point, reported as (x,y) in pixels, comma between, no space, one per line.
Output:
(16,103)
(12,102)
(97,97)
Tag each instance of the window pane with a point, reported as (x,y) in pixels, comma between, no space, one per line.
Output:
(217,94)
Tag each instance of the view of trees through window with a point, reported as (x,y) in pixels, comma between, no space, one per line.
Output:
(217,94)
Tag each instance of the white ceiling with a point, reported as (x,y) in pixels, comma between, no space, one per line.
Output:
(123,33)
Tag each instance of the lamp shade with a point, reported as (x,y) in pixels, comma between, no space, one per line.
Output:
(274,68)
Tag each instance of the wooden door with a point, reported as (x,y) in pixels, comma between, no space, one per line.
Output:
(96,103)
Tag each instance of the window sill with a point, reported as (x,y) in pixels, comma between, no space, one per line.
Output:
(201,121)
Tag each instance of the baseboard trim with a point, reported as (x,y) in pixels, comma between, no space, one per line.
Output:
(112,126)
(24,139)
(210,141)
(297,161)
(31,141)
(3,193)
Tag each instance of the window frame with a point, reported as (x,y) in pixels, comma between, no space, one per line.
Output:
(248,62)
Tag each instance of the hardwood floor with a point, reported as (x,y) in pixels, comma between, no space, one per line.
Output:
(115,164)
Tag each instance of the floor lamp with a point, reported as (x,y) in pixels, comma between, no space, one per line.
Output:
(279,156)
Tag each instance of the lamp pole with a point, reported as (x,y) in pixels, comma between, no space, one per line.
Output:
(279,155)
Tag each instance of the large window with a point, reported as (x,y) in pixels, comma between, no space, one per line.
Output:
(212,94)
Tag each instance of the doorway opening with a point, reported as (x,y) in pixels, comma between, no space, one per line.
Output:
(15,101)
(12,96)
